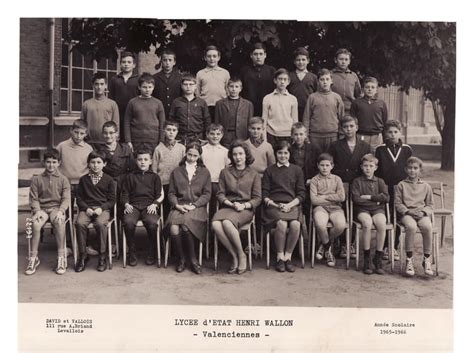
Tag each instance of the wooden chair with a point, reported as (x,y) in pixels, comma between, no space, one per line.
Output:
(250,229)
(435,244)
(440,210)
(389,227)
(347,227)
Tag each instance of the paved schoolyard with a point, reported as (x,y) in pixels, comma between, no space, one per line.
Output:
(319,287)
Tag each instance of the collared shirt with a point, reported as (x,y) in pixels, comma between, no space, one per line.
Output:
(49,190)
(280,112)
(372,114)
(347,85)
(73,159)
(122,91)
(330,186)
(301,74)
(190,169)
(215,158)
(413,195)
(169,144)
(211,83)
(279,165)
(192,116)
(96,177)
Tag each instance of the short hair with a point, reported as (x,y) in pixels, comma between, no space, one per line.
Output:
(324,72)
(301,51)
(325,157)
(256,120)
(96,154)
(248,154)
(168,52)
(193,145)
(234,79)
(213,127)
(343,51)
(79,124)
(188,77)
(370,79)
(281,71)
(110,123)
(349,118)
(99,76)
(146,78)
(171,123)
(414,160)
(127,53)
(212,47)
(52,153)
(281,144)
(142,151)
(258,45)
(298,125)
(392,123)
(369,157)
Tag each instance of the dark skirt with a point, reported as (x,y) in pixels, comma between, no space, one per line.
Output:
(238,219)
(272,215)
(195,221)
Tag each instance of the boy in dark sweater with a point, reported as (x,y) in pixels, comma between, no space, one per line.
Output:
(302,81)
(144,117)
(392,156)
(141,195)
(95,199)
(371,113)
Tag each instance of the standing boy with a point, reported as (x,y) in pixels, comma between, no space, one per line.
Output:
(279,109)
(323,112)
(345,82)
(167,81)
(95,199)
(144,117)
(124,86)
(371,113)
(302,82)
(190,112)
(141,196)
(166,158)
(234,113)
(257,78)
(98,110)
(261,150)
(211,82)
(50,196)
(392,156)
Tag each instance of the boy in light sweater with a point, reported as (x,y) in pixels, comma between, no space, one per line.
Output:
(261,150)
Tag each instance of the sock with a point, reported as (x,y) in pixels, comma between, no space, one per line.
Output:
(178,245)
(280,256)
(34,254)
(410,254)
(287,256)
(379,253)
(427,255)
(327,246)
(61,253)
(189,240)
(367,253)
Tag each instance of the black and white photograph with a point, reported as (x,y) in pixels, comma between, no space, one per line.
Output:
(224,173)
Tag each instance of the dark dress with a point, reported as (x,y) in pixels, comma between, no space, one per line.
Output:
(241,186)
(181,192)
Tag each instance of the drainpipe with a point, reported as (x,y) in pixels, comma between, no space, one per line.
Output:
(51,82)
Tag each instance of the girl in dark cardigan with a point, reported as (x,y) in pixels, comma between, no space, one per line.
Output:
(283,192)
(239,195)
(189,193)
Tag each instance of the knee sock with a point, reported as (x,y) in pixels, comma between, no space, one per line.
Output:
(178,246)
(410,254)
(327,246)
(367,253)
(427,255)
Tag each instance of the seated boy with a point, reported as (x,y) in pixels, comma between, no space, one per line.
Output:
(166,157)
(392,155)
(370,194)
(371,112)
(141,196)
(414,205)
(95,200)
(98,110)
(190,112)
(234,113)
(279,109)
(50,196)
(261,150)
(327,193)
(215,158)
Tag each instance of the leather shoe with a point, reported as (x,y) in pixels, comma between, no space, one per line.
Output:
(132,259)
(289,266)
(241,271)
(180,267)
(102,265)
(280,266)
(150,260)
(81,263)
(196,268)
(232,270)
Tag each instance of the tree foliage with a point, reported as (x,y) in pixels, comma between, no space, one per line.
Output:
(419,55)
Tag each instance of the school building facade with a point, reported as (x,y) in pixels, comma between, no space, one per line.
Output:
(56,80)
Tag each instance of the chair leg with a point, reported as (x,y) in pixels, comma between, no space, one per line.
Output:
(357,244)
(73,241)
(391,240)
(402,251)
(118,228)
(254,230)
(109,241)
(261,242)
(302,249)
(158,245)
(207,242)
(167,251)
(313,244)
(436,251)
(443,229)
(249,241)
(200,253)
(124,247)
(216,247)
(348,247)
(268,249)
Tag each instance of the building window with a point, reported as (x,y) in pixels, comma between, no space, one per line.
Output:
(76,74)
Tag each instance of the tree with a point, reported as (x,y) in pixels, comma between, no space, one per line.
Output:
(419,55)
